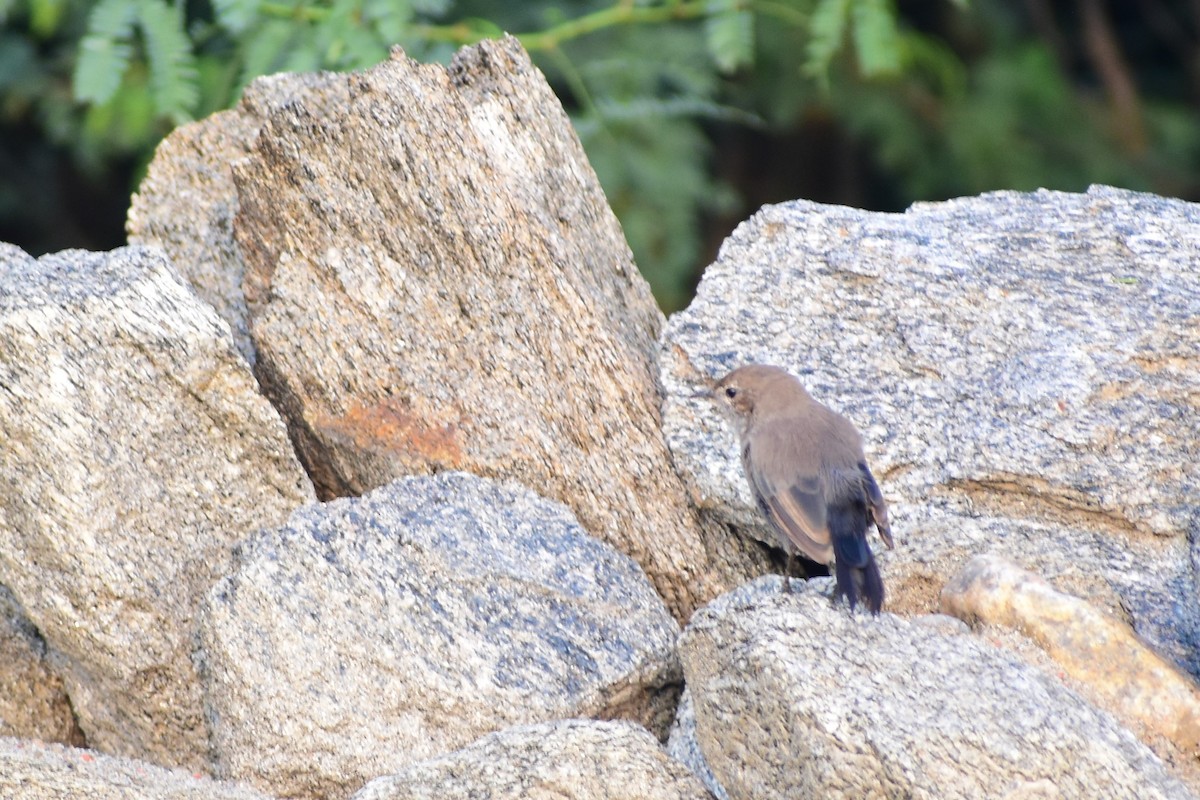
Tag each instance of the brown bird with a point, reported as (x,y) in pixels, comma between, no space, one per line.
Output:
(809,477)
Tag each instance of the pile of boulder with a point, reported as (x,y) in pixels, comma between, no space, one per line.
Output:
(371,469)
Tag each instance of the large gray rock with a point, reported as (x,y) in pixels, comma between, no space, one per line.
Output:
(186,203)
(795,697)
(137,452)
(32,770)
(564,760)
(1022,369)
(33,701)
(435,281)
(371,633)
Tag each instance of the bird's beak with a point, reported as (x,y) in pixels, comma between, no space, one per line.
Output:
(706,393)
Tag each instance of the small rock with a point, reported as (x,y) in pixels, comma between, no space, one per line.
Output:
(565,760)
(33,701)
(1134,682)
(33,770)
(683,747)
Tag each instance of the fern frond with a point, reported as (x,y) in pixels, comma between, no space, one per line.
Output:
(387,18)
(304,58)
(364,48)
(876,40)
(646,108)
(173,75)
(432,8)
(236,15)
(264,52)
(45,16)
(827,30)
(105,51)
(729,35)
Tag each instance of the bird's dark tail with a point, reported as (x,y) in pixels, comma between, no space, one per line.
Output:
(856,572)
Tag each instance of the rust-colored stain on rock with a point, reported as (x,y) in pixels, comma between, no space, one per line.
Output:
(392,426)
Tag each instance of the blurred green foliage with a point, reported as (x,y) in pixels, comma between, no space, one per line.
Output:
(692,112)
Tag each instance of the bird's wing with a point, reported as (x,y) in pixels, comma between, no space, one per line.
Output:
(794,501)
(879,512)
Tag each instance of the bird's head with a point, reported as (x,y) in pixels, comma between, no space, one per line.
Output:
(747,388)
(736,393)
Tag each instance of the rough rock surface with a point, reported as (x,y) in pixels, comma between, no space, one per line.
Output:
(187,201)
(435,281)
(1022,367)
(32,770)
(137,452)
(794,697)
(1135,682)
(374,632)
(563,760)
(683,747)
(33,701)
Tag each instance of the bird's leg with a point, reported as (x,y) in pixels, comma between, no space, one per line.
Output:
(787,573)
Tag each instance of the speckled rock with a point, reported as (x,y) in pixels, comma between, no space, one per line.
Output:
(1134,681)
(683,747)
(795,697)
(186,203)
(1022,367)
(564,760)
(33,700)
(436,282)
(32,770)
(372,633)
(137,452)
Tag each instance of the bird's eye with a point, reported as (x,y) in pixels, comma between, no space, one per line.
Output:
(731,392)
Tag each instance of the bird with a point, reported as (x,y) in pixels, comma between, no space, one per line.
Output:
(809,477)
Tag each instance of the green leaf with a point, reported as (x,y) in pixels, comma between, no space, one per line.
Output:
(730,39)
(432,8)
(264,53)
(388,18)
(44,15)
(329,36)
(932,60)
(360,42)
(364,48)
(105,51)
(237,15)
(648,108)
(653,173)
(826,31)
(217,76)
(876,40)
(173,76)
(303,55)
(124,125)
(20,71)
